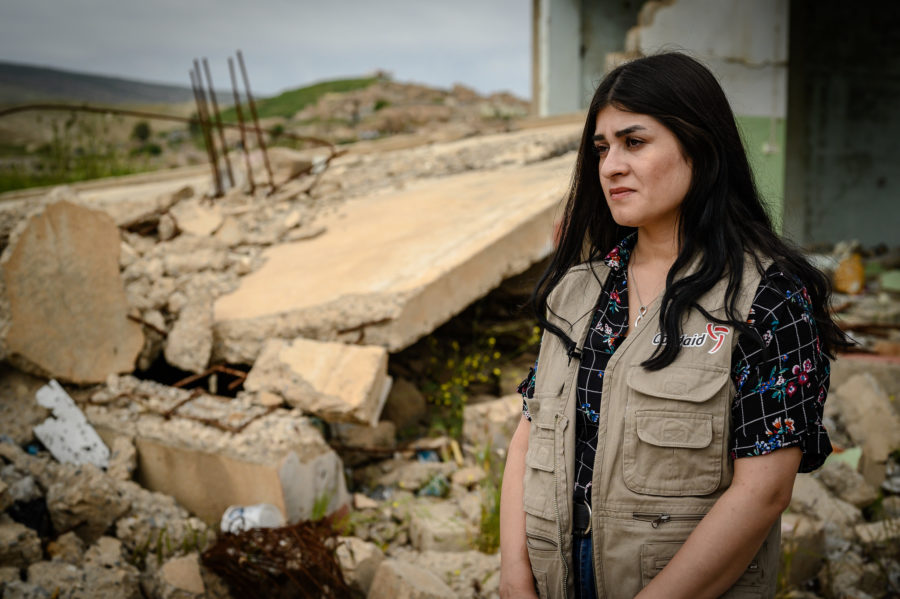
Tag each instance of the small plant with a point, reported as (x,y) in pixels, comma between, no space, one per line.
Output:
(380,103)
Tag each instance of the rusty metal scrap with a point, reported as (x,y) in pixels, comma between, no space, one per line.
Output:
(221,129)
(204,127)
(259,135)
(240,117)
(292,561)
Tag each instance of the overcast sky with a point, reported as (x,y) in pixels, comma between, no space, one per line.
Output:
(485,44)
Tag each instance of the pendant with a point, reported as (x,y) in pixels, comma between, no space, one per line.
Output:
(641,311)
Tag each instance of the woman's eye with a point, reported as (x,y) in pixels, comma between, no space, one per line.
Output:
(632,142)
(599,150)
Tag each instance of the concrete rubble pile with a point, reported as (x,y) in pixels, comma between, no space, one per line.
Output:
(304,300)
(100,283)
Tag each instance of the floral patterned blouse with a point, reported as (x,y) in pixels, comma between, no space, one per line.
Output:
(780,389)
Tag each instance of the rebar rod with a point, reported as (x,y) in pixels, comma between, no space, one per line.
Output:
(208,128)
(215,105)
(259,135)
(206,139)
(240,117)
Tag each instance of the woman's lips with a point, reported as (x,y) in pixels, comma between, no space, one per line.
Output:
(618,193)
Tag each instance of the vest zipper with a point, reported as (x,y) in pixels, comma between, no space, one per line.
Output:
(556,506)
(655,519)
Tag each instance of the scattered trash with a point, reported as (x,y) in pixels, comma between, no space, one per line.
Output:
(438,486)
(428,455)
(239,518)
(67,434)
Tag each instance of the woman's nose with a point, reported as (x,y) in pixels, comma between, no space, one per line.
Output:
(613,164)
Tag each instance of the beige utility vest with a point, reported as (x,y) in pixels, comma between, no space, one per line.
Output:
(662,455)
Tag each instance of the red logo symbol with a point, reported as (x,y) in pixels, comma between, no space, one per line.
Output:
(717,333)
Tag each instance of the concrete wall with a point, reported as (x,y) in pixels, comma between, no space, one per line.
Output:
(843,174)
(604,26)
(558,71)
(745,45)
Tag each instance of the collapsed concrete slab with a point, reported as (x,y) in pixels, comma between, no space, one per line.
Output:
(65,294)
(337,382)
(210,452)
(391,267)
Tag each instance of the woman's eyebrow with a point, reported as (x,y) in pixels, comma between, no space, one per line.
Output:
(625,131)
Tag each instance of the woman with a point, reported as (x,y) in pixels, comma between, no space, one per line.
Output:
(684,365)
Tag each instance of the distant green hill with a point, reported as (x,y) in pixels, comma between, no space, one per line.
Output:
(20,84)
(287,103)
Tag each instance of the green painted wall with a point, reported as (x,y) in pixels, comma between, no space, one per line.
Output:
(768,166)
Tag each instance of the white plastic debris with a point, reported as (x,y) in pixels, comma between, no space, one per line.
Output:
(238,518)
(67,434)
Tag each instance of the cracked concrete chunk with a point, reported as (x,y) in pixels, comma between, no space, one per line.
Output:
(492,423)
(394,266)
(213,452)
(19,545)
(87,501)
(65,293)
(337,382)
(197,217)
(181,574)
(401,580)
(359,560)
(189,344)
(439,526)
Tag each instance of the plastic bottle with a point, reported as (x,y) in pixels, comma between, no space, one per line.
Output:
(238,518)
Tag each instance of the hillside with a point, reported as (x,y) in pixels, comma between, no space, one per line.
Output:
(24,83)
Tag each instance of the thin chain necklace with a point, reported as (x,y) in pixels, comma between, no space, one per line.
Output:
(642,308)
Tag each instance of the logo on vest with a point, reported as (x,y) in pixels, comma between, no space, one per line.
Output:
(715,333)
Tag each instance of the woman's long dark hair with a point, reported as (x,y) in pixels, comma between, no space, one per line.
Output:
(721,218)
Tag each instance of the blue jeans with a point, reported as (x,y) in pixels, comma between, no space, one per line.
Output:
(583,563)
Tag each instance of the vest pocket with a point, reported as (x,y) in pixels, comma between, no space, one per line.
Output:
(671,453)
(675,430)
(538,483)
(655,556)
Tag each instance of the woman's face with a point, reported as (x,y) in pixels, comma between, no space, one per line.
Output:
(643,171)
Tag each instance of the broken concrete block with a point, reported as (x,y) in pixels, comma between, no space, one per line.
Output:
(19,545)
(197,216)
(871,422)
(8,574)
(65,294)
(189,344)
(492,423)
(67,548)
(87,501)
(884,532)
(123,459)
(6,498)
(180,577)
(850,275)
(468,477)
(381,437)
(462,571)
(106,552)
(405,405)
(54,577)
(130,209)
(401,580)
(811,497)
(847,484)
(359,560)
(122,581)
(439,526)
(67,434)
(802,548)
(19,413)
(211,454)
(467,232)
(337,382)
